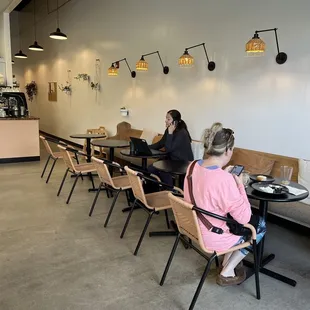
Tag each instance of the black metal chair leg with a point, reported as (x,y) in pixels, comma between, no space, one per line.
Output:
(62,182)
(256,266)
(107,191)
(49,175)
(92,179)
(217,262)
(73,186)
(95,199)
(112,207)
(48,159)
(167,219)
(143,232)
(128,197)
(202,281)
(128,219)
(170,259)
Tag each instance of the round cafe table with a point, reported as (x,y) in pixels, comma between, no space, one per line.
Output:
(264,199)
(155,154)
(88,137)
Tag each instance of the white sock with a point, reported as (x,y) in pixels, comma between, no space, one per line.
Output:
(233,261)
(226,258)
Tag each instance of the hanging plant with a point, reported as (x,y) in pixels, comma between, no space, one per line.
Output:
(95,86)
(31,90)
(67,88)
(82,76)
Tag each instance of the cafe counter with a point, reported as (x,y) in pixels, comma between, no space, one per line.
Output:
(19,139)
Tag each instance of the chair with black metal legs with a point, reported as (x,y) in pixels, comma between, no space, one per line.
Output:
(52,155)
(187,222)
(151,203)
(114,184)
(75,169)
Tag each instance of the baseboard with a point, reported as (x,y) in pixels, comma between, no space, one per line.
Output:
(19,159)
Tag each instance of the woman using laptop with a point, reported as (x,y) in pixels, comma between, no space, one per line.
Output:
(176,141)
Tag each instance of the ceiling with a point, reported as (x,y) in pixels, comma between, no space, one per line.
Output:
(21,5)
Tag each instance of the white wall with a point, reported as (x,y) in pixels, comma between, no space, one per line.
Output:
(267,105)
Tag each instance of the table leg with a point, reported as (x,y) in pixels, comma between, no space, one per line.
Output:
(88,150)
(144,164)
(263,209)
(112,159)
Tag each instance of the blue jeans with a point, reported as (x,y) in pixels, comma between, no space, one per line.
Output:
(260,232)
(165,177)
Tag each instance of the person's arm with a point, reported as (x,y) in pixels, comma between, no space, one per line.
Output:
(160,144)
(234,201)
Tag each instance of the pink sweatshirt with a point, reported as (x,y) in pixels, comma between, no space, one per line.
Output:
(216,191)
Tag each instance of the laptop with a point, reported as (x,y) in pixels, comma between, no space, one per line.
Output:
(142,148)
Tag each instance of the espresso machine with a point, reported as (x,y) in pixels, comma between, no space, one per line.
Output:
(15,104)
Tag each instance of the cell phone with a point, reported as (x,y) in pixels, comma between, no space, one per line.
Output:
(175,123)
(237,170)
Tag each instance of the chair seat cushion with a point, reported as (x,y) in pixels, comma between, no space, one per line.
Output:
(121,182)
(158,200)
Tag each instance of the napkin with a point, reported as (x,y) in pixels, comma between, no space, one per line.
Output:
(295,191)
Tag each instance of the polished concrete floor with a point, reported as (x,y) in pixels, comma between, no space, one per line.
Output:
(54,257)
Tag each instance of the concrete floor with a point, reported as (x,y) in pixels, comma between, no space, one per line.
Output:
(53,256)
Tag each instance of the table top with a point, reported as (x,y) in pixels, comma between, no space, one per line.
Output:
(172,166)
(110,143)
(252,193)
(87,136)
(155,154)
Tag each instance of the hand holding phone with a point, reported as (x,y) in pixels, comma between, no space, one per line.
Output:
(237,170)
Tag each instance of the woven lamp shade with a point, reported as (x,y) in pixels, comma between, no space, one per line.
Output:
(186,60)
(142,65)
(112,71)
(255,45)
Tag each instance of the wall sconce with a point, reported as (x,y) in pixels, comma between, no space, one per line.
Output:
(186,60)
(142,65)
(113,70)
(257,46)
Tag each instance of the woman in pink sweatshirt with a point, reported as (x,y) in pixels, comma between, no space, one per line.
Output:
(220,192)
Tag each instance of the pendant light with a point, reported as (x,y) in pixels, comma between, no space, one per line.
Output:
(20,54)
(35,46)
(58,35)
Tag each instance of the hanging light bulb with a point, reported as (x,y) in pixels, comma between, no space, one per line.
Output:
(186,60)
(58,35)
(20,54)
(255,46)
(35,46)
(112,71)
(142,65)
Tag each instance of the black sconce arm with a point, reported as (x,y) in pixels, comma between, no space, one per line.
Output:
(165,68)
(133,73)
(211,64)
(281,57)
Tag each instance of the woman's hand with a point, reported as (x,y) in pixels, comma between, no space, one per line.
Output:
(229,168)
(238,179)
(171,128)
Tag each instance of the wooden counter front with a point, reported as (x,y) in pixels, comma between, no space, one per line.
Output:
(19,139)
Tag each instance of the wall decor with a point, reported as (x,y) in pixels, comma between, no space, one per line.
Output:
(256,46)
(52,91)
(94,86)
(142,65)
(113,70)
(82,76)
(187,60)
(124,111)
(31,90)
(66,88)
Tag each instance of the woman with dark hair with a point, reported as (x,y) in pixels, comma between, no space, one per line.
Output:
(176,141)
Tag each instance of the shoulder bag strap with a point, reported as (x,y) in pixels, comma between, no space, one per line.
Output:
(205,222)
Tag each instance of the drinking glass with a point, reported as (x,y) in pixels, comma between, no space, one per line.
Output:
(286,174)
(245,178)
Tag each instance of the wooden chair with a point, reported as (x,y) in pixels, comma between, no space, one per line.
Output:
(114,184)
(187,222)
(75,169)
(102,131)
(151,203)
(52,155)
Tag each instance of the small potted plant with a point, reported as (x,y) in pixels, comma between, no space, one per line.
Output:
(95,86)
(31,90)
(67,88)
(82,76)
(124,111)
